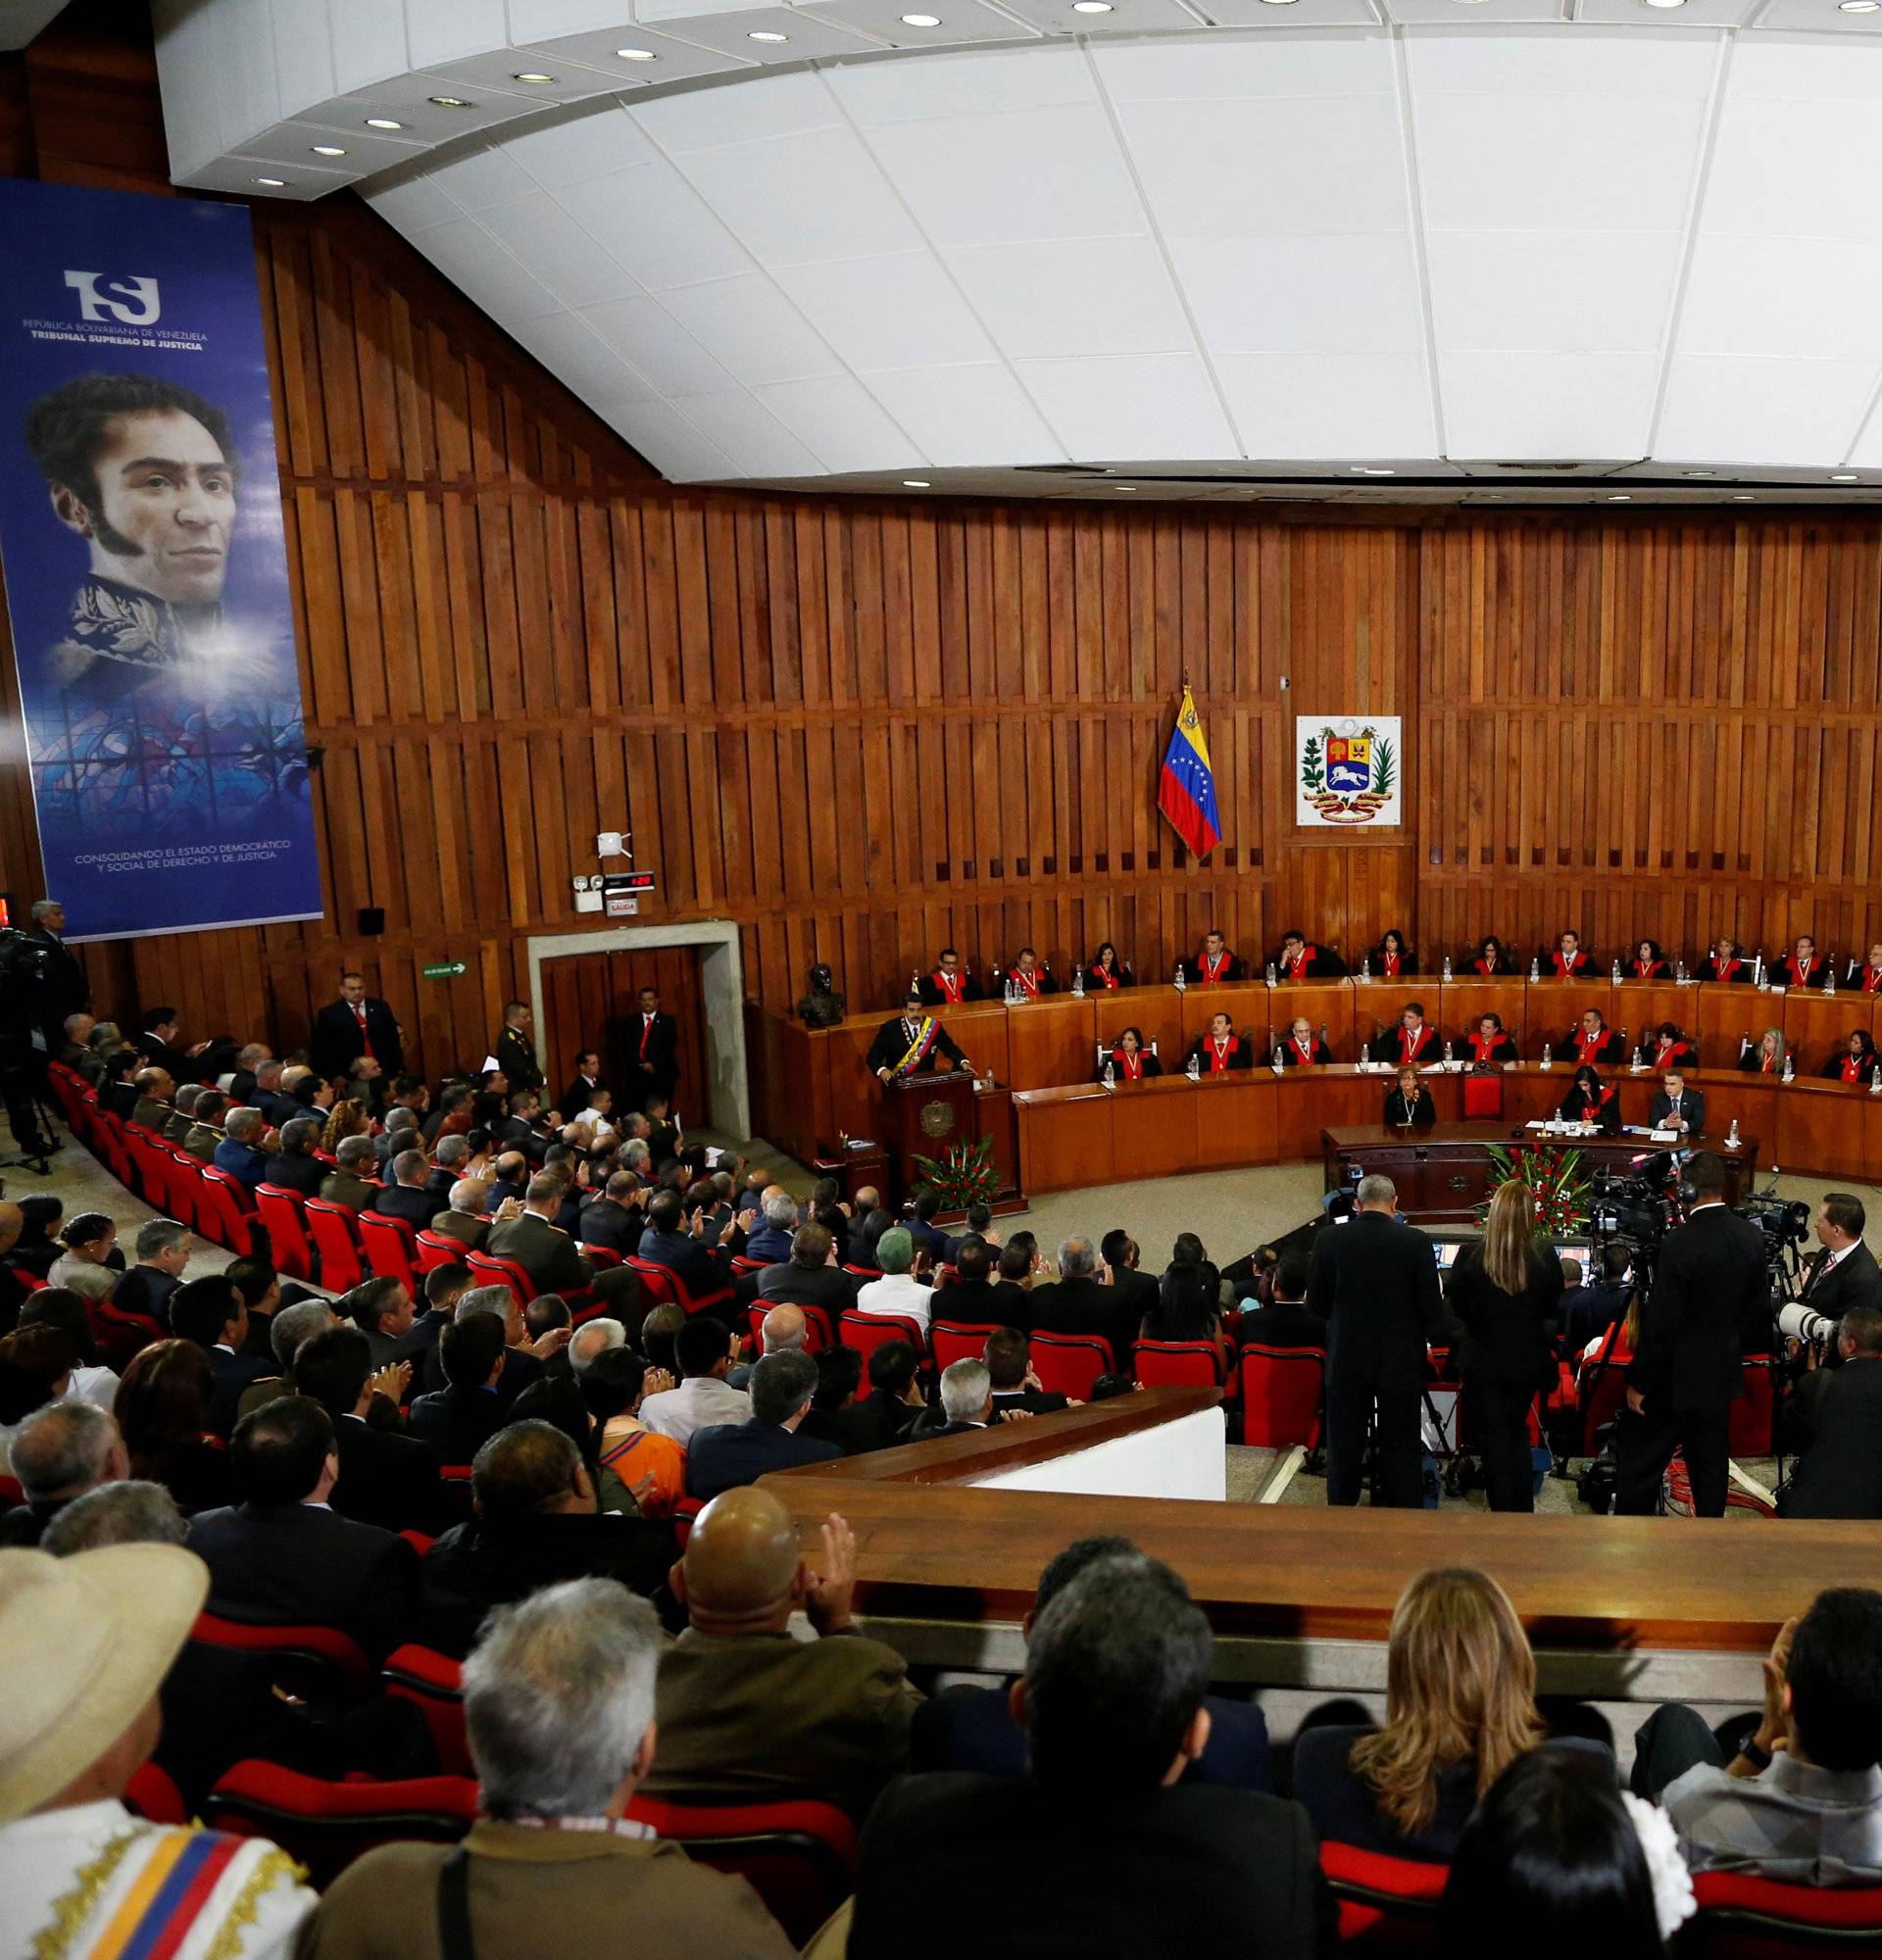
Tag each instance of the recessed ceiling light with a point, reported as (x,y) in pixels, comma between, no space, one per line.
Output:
(1858,6)
(1665,3)
(761,35)
(914,483)
(1846,476)
(1129,488)
(1702,473)
(1091,5)
(536,80)
(635,54)
(1361,469)
(921,20)
(1278,3)
(382,123)
(1620,497)
(448,102)
(273,183)
(327,150)
(1744,498)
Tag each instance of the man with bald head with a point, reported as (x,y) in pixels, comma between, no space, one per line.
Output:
(747,1713)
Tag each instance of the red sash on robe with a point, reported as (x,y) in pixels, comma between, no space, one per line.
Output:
(1769,1066)
(1798,976)
(1306,1055)
(1588,1047)
(1409,1050)
(1389,965)
(1299,965)
(1852,1066)
(1483,965)
(949,985)
(1131,1063)
(1028,981)
(1872,979)
(1670,1055)
(1730,968)
(1645,969)
(1217,971)
(1105,976)
(1484,1047)
(1561,967)
(1218,1056)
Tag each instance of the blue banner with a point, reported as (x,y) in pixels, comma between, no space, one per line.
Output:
(146,572)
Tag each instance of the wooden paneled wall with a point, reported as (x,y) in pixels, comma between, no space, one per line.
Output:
(862,728)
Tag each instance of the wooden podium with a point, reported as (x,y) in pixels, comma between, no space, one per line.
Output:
(922,1116)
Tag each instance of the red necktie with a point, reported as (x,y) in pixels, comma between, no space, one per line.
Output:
(646,1030)
(365,1040)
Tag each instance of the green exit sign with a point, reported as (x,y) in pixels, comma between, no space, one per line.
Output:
(448,972)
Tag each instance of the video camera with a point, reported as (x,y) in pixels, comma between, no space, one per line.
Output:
(1633,1207)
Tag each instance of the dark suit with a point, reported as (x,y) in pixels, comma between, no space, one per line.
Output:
(246,1165)
(151,1114)
(229,1375)
(1841,1474)
(1087,1307)
(516,1055)
(62,989)
(614,1227)
(1588,1312)
(1603,1110)
(894,1039)
(974,1729)
(385,1479)
(457,1423)
(575,1098)
(1375,1282)
(1403,1114)
(1856,1280)
(1708,1295)
(1691,1105)
(986,1304)
(933,994)
(342,1187)
(551,1258)
(730,1453)
(828,1287)
(491,1561)
(1084,1872)
(1028,1402)
(290,1565)
(873,1423)
(1282,1323)
(146,1289)
(468,1232)
(651,1051)
(337,1043)
(701,1267)
(303,1174)
(408,1201)
(1507,1355)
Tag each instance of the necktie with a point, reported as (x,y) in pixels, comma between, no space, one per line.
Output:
(646,1030)
(365,1040)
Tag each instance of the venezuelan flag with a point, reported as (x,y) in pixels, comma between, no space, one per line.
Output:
(1186,793)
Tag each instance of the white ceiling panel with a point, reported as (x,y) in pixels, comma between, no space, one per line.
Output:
(1809,16)
(1444,13)
(482,178)
(805,36)
(439,32)
(1315,13)
(636,58)
(1235,67)
(1776,155)
(956,413)
(595,143)
(1346,292)
(837,419)
(1866,454)
(561,255)
(656,225)
(1338,406)
(674,443)
(906,306)
(1814,70)
(1295,164)
(649,338)
(758,444)
(1650,60)
(958,20)
(1134,406)
(1586,291)
(1692,13)
(477,260)
(751,329)
(414,200)
(796,200)
(1812,298)
(1077,296)
(708,118)
(1770,410)
(568,346)
(1126,17)
(1528,407)
(949,86)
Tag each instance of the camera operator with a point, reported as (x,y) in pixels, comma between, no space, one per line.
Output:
(1841,1474)
(1844,1274)
(64,991)
(1709,1287)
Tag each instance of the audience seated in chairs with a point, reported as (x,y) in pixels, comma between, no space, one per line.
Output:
(1284,1321)
(1079,1302)
(785,1330)
(211,1313)
(810,1276)
(89,1640)
(559,1705)
(57,1307)
(898,1291)
(723,1456)
(458,1419)
(1802,1799)
(537,1522)
(640,1474)
(162,1414)
(703,1397)
(385,1479)
(293,1328)
(1014,1386)
(280,1556)
(90,1242)
(60,1453)
(747,1713)
(976,1728)
(1461,1684)
(1107,1849)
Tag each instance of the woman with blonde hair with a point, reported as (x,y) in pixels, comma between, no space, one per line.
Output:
(1459,1709)
(1507,1291)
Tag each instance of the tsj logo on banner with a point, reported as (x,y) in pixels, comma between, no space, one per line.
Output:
(1346,770)
(146,574)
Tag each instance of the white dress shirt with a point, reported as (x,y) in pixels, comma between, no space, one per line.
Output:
(697,1403)
(896,1292)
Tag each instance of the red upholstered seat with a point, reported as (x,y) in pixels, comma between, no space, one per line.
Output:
(284,1218)
(327,1825)
(337,1243)
(12,1491)
(120,1333)
(1752,1412)
(867,1332)
(958,1340)
(493,1271)
(437,1249)
(800,1858)
(312,1651)
(228,1211)
(604,1258)
(817,1328)
(691,1301)
(434,1683)
(1743,1918)
(1387,1905)
(186,1191)
(153,1794)
(1177,1364)
(743,1265)
(656,1283)
(1283,1395)
(1067,1364)
(391,1249)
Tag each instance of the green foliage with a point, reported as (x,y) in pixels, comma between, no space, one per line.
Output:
(1311,773)
(1382,773)
(1558,1181)
(964,1175)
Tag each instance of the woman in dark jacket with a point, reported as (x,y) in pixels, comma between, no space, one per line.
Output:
(1507,1291)
(1588,1101)
(1107,971)
(1130,1060)
(1409,1105)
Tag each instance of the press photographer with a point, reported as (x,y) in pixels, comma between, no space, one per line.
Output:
(1840,1410)
(28,994)
(1842,1275)
(1711,1287)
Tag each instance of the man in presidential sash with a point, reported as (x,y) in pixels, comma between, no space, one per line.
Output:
(88,1639)
(910,1043)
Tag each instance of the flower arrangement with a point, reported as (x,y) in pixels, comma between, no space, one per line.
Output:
(1558,1181)
(965,1174)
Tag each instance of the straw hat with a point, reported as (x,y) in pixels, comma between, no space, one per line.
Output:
(88,1640)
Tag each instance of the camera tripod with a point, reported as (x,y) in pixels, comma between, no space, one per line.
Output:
(31,1119)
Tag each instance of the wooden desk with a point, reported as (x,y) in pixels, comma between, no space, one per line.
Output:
(1445,1172)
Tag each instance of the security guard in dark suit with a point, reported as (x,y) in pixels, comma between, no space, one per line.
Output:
(516,1048)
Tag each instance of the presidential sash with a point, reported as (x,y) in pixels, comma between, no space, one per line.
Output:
(918,1050)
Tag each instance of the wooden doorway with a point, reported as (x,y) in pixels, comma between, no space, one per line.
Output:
(588,1000)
